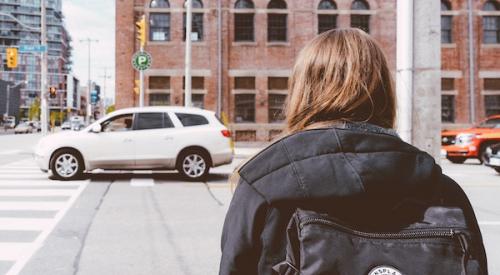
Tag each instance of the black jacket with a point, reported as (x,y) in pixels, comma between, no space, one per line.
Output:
(354,171)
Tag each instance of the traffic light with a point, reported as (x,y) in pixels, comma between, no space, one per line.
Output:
(11,57)
(141,30)
(52,92)
(136,86)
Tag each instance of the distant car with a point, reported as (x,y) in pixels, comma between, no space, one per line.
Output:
(460,145)
(189,140)
(77,125)
(23,128)
(66,126)
(37,127)
(9,122)
(493,157)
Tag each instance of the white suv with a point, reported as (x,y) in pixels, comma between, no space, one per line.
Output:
(189,140)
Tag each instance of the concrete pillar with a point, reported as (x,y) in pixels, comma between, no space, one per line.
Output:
(425,109)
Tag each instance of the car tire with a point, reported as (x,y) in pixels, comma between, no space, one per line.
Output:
(67,164)
(456,160)
(193,165)
(483,158)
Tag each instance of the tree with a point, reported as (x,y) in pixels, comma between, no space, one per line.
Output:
(34,110)
(110,109)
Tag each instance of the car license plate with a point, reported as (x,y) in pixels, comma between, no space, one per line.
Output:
(495,161)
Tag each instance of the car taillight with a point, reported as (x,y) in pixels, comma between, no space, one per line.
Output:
(226,133)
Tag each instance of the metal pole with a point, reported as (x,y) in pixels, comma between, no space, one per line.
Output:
(472,100)
(404,76)
(187,75)
(141,88)
(219,58)
(89,101)
(44,114)
(7,101)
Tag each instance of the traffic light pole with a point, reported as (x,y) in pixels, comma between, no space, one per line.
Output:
(141,84)
(44,114)
(187,78)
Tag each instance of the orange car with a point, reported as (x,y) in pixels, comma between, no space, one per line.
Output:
(459,145)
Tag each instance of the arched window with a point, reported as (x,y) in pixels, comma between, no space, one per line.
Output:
(159,22)
(360,20)
(326,21)
(446,23)
(491,24)
(276,22)
(244,21)
(197,23)
(159,4)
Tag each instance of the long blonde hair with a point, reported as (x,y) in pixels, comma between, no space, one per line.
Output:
(341,75)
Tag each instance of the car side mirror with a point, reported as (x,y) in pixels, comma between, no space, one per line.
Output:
(96,128)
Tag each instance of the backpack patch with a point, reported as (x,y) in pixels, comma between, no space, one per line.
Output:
(384,270)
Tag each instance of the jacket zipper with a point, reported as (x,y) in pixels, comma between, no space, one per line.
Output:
(415,234)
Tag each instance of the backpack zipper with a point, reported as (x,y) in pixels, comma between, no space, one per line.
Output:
(413,234)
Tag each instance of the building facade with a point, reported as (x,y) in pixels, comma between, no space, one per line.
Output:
(13,34)
(242,68)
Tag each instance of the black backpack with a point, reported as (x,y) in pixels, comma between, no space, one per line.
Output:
(440,243)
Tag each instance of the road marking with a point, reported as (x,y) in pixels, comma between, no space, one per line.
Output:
(12,152)
(36,192)
(31,205)
(142,182)
(20,224)
(12,251)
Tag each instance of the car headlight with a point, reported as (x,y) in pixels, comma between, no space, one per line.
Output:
(465,139)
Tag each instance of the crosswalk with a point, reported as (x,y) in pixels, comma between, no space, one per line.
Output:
(31,205)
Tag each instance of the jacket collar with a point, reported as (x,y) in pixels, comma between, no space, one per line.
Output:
(365,127)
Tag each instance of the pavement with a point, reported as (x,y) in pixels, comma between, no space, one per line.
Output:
(148,223)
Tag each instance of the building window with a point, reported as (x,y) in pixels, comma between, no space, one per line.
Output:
(159,26)
(276,104)
(446,23)
(448,108)
(277,83)
(491,24)
(276,22)
(244,108)
(197,83)
(159,4)
(159,82)
(492,104)
(491,84)
(159,99)
(447,84)
(244,22)
(244,83)
(197,100)
(360,21)
(197,23)
(326,21)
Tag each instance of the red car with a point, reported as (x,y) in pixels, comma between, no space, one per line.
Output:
(460,145)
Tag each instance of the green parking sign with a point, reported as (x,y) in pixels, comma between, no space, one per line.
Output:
(141,61)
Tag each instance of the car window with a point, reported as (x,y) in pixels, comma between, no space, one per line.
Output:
(191,119)
(118,123)
(491,123)
(147,121)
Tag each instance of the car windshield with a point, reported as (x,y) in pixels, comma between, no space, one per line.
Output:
(490,123)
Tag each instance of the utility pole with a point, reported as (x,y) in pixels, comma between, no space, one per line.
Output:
(187,75)
(418,72)
(103,100)
(472,98)
(44,106)
(89,105)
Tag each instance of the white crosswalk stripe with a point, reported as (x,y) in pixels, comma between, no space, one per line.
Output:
(30,205)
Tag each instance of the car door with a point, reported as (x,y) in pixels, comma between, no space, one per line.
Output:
(154,140)
(114,146)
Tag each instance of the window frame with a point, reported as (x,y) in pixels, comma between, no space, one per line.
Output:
(200,29)
(103,126)
(273,118)
(451,109)
(194,115)
(165,118)
(253,120)
(166,27)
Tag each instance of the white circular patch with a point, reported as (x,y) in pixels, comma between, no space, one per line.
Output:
(384,270)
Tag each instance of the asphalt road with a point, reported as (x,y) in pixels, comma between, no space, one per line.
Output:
(144,223)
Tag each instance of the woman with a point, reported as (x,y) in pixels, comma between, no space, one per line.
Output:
(339,147)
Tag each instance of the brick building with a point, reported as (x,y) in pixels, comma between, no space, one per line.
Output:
(260,39)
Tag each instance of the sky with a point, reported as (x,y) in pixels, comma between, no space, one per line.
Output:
(94,19)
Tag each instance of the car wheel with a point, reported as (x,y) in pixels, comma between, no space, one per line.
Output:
(456,160)
(66,165)
(483,157)
(193,165)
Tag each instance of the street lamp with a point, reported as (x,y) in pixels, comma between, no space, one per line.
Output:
(9,86)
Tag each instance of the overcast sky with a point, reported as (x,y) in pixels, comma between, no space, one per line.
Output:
(93,19)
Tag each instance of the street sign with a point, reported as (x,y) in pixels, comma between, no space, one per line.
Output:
(141,61)
(32,48)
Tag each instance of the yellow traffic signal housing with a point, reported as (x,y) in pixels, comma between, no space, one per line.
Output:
(52,92)
(11,57)
(141,30)
(136,86)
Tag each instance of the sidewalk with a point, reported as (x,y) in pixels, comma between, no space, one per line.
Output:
(245,150)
